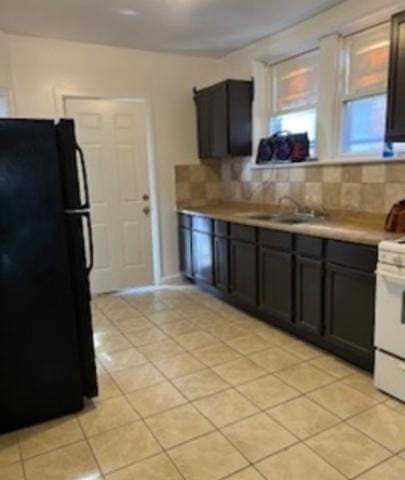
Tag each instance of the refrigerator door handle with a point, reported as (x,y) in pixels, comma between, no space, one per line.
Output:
(90,266)
(86,204)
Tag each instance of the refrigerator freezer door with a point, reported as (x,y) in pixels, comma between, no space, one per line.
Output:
(39,351)
(72,168)
(80,269)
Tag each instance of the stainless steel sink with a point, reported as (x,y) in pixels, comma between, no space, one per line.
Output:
(291,218)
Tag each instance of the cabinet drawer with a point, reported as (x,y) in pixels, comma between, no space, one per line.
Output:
(359,257)
(202,224)
(275,239)
(309,246)
(221,228)
(184,220)
(243,233)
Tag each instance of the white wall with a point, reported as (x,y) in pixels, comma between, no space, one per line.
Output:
(5,69)
(166,81)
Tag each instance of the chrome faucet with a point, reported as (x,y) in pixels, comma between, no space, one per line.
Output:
(300,208)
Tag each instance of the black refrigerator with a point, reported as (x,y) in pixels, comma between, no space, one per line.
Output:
(47,361)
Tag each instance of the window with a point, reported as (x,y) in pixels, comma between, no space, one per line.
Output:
(366,57)
(294,96)
(4,110)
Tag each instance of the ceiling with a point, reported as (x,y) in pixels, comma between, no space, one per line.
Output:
(210,28)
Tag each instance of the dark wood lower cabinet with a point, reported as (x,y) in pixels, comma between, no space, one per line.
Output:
(349,311)
(186,264)
(276,284)
(203,258)
(243,272)
(309,293)
(221,263)
(320,290)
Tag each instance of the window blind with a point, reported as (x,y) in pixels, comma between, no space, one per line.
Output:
(367,56)
(295,82)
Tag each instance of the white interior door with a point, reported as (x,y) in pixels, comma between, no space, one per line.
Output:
(112,134)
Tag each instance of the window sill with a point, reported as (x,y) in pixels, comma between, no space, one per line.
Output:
(345,161)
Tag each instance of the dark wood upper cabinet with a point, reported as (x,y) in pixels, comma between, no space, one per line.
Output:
(224,119)
(395,131)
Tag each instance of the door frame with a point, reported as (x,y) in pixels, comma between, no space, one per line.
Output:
(60,97)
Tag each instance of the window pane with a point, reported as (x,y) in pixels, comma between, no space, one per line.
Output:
(296,82)
(3,106)
(367,56)
(364,125)
(298,122)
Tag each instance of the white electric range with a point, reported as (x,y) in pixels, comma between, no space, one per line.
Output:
(390,319)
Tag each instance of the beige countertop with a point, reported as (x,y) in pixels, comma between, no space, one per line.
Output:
(364,228)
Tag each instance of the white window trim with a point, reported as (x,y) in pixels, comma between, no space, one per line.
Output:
(329,111)
(343,98)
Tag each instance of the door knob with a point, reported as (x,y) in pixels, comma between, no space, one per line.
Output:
(146,210)
(145,197)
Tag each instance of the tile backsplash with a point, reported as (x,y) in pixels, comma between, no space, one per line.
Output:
(372,188)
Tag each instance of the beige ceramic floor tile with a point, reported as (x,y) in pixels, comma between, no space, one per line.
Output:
(135,378)
(180,365)
(166,316)
(348,450)
(124,445)
(109,343)
(275,359)
(200,384)
(131,324)
(178,425)
(160,350)
(106,415)
(335,367)
(67,463)
(305,378)
(239,371)
(392,469)
(249,344)
(297,463)
(122,359)
(302,350)
(121,313)
(107,388)
(197,339)
(274,336)
(268,391)
(247,474)
(216,354)
(342,400)
(177,328)
(210,457)
(364,383)
(226,332)
(226,407)
(8,449)
(155,468)
(12,472)
(384,425)
(156,399)
(396,405)
(303,417)
(49,435)
(259,436)
(145,336)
